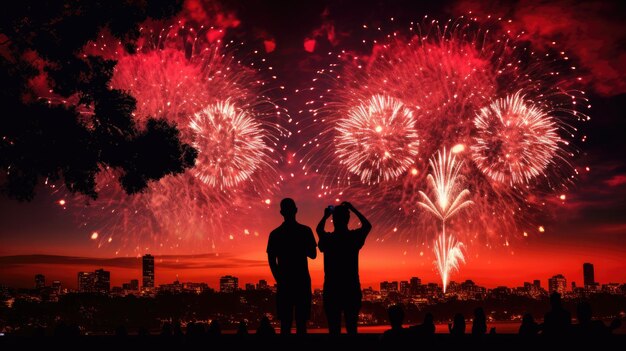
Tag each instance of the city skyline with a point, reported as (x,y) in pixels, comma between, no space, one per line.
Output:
(230,282)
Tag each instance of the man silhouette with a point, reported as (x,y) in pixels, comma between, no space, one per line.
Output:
(342,288)
(288,247)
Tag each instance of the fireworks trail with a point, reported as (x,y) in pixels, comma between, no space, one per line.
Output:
(455,78)
(515,141)
(449,199)
(449,255)
(377,141)
(220,107)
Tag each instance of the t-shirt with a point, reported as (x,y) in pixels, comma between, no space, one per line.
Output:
(341,254)
(290,243)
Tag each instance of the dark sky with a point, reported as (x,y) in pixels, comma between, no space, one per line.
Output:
(589,226)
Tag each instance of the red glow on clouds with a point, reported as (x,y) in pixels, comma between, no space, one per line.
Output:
(590,31)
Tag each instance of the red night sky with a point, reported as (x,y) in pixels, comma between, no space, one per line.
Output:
(45,237)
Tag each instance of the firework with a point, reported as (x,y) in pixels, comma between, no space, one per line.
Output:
(230,145)
(515,141)
(448,254)
(377,140)
(449,199)
(448,76)
(219,106)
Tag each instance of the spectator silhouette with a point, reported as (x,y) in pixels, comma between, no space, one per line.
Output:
(167,330)
(529,327)
(265,329)
(342,287)
(288,247)
(214,330)
(587,327)
(397,332)
(242,328)
(479,324)
(458,326)
(426,329)
(558,321)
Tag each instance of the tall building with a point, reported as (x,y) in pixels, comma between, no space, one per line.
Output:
(86,281)
(56,287)
(229,284)
(40,281)
(537,283)
(102,281)
(558,284)
(588,275)
(405,288)
(134,284)
(387,287)
(262,285)
(250,287)
(415,284)
(148,271)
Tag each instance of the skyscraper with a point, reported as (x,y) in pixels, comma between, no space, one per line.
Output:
(558,284)
(86,281)
(416,283)
(102,281)
(229,284)
(40,281)
(148,271)
(405,288)
(134,284)
(537,283)
(588,275)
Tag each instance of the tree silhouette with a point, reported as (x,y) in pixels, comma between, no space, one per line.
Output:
(41,44)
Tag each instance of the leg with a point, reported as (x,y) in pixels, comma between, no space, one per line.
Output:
(285,322)
(333,314)
(351,315)
(302,316)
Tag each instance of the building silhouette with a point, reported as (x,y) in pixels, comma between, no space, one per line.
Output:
(588,275)
(415,283)
(56,287)
(148,271)
(102,281)
(86,281)
(537,283)
(40,281)
(558,284)
(262,285)
(229,284)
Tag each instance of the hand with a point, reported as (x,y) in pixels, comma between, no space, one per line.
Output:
(327,212)
(348,205)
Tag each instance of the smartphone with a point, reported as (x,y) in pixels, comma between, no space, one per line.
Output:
(331,208)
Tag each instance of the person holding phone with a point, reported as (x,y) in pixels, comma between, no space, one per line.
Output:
(342,287)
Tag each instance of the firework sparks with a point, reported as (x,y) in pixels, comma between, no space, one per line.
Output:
(449,199)
(219,106)
(377,141)
(455,78)
(449,256)
(515,141)
(230,145)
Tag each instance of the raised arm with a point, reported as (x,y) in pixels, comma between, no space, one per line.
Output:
(321,233)
(365,224)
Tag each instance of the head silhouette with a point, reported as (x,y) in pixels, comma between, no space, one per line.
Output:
(288,209)
(555,300)
(341,216)
(396,316)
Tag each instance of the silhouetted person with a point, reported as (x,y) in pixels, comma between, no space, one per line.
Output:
(587,327)
(458,326)
(214,330)
(288,247)
(479,324)
(397,332)
(529,327)
(558,321)
(242,328)
(426,329)
(265,329)
(342,287)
